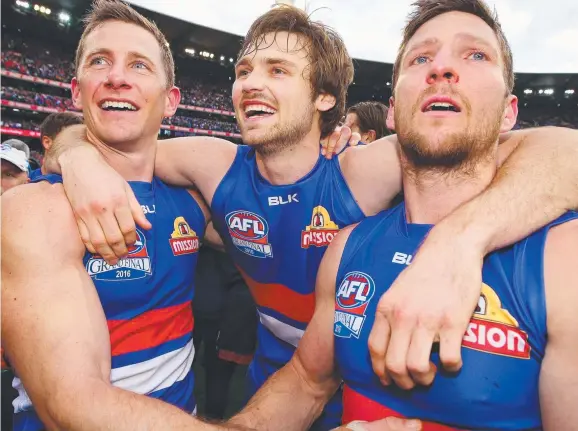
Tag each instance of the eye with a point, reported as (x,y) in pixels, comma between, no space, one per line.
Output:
(278,71)
(478,56)
(97,61)
(242,72)
(140,65)
(420,59)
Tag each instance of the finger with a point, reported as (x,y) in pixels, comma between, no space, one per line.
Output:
(378,343)
(396,356)
(355,139)
(136,209)
(451,349)
(84,235)
(332,142)
(98,240)
(342,140)
(393,424)
(126,224)
(113,234)
(421,369)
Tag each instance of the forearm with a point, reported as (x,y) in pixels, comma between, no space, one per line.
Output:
(286,402)
(103,407)
(535,185)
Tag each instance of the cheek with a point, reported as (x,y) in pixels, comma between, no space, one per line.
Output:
(236,92)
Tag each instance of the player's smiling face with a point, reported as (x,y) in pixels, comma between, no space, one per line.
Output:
(122,85)
(272,93)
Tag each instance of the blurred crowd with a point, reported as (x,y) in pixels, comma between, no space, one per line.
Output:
(33,98)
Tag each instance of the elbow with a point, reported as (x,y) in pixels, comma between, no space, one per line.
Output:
(68,407)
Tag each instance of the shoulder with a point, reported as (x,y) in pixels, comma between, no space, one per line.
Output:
(332,257)
(561,275)
(373,173)
(38,217)
(202,145)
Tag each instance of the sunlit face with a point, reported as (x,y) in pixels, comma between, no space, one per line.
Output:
(121,85)
(12,176)
(272,94)
(450,100)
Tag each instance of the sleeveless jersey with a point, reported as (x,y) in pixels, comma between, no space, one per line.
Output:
(147,299)
(277,236)
(502,350)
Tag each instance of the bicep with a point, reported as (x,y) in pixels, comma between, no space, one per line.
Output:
(53,327)
(189,161)
(559,372)
(373,173)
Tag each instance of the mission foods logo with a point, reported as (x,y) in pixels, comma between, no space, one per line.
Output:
(183,240)
(249,233)
(494,330)
(321,231)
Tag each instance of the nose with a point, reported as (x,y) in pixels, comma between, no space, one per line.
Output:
(253,82)
(117,77)
(442,71)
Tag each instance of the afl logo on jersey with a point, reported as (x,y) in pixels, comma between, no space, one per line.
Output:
(249,233)
(351,300)
(321,230)
(137,264)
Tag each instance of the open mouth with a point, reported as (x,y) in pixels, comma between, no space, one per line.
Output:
(111,105)
(256,111)
(441,107)
(440,104)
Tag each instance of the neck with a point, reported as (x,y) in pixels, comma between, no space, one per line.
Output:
(432,195)
(290,164)
(134,161)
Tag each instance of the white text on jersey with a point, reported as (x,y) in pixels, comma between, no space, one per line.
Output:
(280,200)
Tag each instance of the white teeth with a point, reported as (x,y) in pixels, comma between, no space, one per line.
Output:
(440,104)
(251,108)
(113,104)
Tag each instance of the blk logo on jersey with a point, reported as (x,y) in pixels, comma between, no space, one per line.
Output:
(249,233)
(183,240)
(136,265)
(351,300)
(321,231)
(494,330)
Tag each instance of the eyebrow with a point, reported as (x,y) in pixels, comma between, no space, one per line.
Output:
(132,54)
(467,37)
(268,61)
(424,43)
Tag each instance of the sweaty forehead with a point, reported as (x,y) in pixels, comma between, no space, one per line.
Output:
(118,36)
(282,44)
(450,27)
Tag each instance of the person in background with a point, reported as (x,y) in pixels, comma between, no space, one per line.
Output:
(14,167)
(368,119)
(50,127)
(225,323)
(19,145)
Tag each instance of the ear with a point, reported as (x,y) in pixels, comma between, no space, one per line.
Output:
(46,142)
(390,121)
(370,136)
(510,114)
(324,102)
(172,102)
(75,87)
